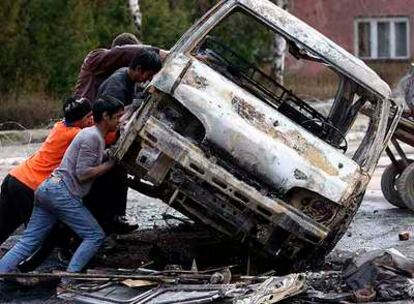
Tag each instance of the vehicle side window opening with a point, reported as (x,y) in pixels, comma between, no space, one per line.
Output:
(180,119)
(364,130)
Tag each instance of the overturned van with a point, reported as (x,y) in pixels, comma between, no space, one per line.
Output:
(226,144)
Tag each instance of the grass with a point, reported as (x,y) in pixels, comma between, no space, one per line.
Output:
(28,111)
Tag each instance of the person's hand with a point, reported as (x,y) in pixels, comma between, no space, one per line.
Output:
(163,54)
(110,163)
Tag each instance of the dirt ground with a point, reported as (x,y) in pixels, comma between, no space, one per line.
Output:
(376,225)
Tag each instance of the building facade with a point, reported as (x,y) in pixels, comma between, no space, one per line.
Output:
(378,31)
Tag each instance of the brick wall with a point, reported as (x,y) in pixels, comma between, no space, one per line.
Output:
(335,19)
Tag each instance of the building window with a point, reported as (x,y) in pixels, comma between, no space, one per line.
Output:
(382,38)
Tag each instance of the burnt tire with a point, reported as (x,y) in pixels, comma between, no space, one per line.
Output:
(389,181)
(405,186)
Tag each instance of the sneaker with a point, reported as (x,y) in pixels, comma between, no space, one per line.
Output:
(61,288)
(120,225)
(65,285)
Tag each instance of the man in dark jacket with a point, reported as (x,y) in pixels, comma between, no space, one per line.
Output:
(121,84)
(99,64)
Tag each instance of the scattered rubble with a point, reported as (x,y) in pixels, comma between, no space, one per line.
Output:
(404,236)
(379,275)
(387,272)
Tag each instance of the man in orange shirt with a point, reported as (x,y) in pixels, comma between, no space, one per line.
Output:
(18,187)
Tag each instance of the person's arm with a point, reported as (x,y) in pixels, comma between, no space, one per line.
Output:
(163,54)
(118,57)
(94,172)
(87,166)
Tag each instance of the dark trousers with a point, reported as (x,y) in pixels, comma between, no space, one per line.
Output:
(108,196)
(16,205)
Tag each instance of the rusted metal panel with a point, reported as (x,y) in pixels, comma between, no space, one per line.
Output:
(284,154)
(193,159)
(255,166)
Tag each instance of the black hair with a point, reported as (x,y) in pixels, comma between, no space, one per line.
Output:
(75,109)
(124,39)
(108,104)
(147,59)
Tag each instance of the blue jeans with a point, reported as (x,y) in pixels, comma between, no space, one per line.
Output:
(53,202)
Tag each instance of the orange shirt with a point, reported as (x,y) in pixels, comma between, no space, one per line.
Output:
(34,170)
(111,138)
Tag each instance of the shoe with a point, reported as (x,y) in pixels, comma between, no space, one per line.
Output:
(109,243)
(61,288)
(65,285)
(120,225)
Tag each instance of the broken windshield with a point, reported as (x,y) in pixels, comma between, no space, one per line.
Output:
(241,48)
(310,92)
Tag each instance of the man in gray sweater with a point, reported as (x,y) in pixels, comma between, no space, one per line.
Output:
(60,196)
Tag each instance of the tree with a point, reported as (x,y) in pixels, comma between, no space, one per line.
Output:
(279,49)
(44,41)
(135,7)
(163,23)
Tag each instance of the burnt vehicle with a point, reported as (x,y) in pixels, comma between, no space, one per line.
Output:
(224,143)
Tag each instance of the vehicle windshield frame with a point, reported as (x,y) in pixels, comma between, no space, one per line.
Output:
(362,155)
(193,37)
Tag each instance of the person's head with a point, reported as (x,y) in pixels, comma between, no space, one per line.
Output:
(145,65)
(107,111)
(77,112)
(124,39)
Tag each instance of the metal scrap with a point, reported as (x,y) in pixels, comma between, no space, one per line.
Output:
(274,289)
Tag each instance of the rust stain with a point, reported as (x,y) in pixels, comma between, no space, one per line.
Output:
(195,80)
(310,152)
(292,139)
(247,111)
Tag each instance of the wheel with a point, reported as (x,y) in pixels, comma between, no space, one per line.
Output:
(405,186)
(389,182)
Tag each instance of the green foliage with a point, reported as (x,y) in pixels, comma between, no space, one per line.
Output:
(163,23)
(44,41)
(244,35)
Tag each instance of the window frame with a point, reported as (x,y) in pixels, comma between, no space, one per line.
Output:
(373,22)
